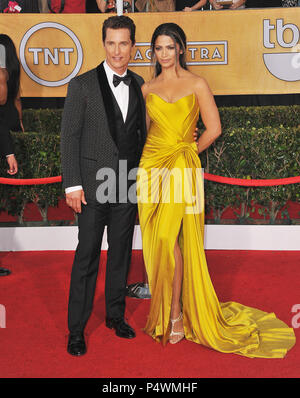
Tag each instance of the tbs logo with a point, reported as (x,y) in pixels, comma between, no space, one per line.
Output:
(283,65)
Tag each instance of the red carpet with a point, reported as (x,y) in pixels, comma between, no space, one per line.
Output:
(35,295)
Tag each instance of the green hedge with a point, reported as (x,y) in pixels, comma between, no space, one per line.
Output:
(38,156)
(263,153)
(241,152)
(48,121)
(260,116)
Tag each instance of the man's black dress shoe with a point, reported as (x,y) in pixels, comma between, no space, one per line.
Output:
(121,327)
(4,271)
(76,344)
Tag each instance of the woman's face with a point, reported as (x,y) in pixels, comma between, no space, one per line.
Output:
(166,51)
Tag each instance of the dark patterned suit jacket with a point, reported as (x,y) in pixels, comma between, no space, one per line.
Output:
(87,133)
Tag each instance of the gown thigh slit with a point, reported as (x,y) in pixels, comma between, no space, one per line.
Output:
(177,269)
(227,327)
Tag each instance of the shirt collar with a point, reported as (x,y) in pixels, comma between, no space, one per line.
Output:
(110,72)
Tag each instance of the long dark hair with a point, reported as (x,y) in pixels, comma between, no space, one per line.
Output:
(177,35)
(12,65)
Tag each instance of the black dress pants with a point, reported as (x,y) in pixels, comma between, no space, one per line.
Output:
(120,221)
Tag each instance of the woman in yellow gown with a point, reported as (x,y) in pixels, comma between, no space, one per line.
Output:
(171,215)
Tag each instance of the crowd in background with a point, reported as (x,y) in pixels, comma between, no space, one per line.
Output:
(94,6)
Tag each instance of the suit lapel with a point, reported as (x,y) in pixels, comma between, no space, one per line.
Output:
(141,105)
(130,102)
(109,106)
(107,100)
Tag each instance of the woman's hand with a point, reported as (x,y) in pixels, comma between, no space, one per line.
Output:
(12,164)
(215,5)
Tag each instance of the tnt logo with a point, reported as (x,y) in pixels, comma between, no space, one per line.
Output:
(2,317)
(45,59)
(285,65)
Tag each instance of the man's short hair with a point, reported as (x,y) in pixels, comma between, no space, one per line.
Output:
(119,22)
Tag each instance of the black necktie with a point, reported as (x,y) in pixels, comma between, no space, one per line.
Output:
(118,79)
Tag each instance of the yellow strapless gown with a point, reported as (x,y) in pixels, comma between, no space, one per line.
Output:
(227,327)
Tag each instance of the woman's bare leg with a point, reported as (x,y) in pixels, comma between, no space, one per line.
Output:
(177,286)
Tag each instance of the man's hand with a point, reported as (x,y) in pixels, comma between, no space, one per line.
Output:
(12,164)
(74,200)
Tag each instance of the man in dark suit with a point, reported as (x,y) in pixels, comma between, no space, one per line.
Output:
(6,150)
(6,146)
(103,125)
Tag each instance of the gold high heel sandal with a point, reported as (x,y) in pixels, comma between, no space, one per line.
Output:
(179,334)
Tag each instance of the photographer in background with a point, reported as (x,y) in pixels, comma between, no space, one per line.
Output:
(27,6)
(190,5)
(236,5)
(109,6)
(10,102)
(263,3)
(290,3)
(10,105)
(66,6)
(95,6)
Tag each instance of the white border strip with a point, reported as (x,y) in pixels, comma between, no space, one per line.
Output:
(217,237)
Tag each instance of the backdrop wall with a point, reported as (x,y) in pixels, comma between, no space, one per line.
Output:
(239,52)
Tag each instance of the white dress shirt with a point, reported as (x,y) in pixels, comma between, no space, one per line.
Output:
(121,93)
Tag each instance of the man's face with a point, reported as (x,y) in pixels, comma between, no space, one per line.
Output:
(118,48)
